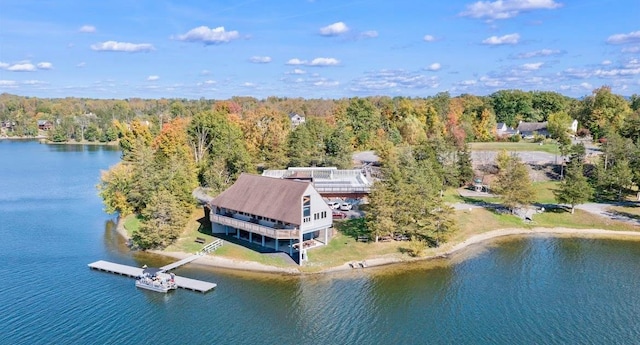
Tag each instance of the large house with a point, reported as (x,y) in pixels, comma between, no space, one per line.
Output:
(280,214)
(527,129)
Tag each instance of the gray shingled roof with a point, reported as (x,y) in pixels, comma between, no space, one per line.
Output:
(532,126)
(268,197)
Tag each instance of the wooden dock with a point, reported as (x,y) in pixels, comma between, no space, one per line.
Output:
(130,271)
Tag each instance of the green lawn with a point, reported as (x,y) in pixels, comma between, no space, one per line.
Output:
(132,224)
(544,192)
(521,146)
(343,248)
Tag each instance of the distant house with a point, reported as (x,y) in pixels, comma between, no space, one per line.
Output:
(7,125)
(278,214)
(527,129)
(501,127)
(503,131)
(45,125)
(574,126)
(296,119)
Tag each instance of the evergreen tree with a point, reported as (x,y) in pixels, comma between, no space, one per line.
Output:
(575,188)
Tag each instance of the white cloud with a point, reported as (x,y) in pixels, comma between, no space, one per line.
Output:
(3,65)
(205,72)
(7,82)
(434,67)
(632,37)
(209,82)
(532,66)
(87,29)
(631,50)
(81,64)
(393,80)
(617,72)
(317,62)
(606,62)
(297,71)
(576,73)
(468,82)
(209,36)
(34,82)
(321,61)
(504,9)
(539,53)
(326,83)
(22,67)
(296,61)
(428,38)
(586,85)
(369,34)
(113,46)
(153,78)
(334,29)
(248,84)
(44,65)
(492,82)
(506,39)
(260,59)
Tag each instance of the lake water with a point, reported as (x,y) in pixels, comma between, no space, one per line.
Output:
(522,291)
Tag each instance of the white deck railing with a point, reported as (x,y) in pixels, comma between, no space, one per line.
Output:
(255,228)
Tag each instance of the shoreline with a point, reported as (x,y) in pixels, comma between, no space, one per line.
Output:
(444,252)
(45,140)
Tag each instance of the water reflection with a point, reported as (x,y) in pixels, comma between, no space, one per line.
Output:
(81,147)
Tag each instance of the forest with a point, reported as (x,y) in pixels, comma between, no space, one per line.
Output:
(171,146)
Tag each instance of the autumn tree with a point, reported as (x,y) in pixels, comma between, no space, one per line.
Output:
(603,112)
(513,183)
(265,131)
(114,188)
(363,119)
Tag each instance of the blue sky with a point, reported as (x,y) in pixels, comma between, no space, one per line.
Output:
(316,48)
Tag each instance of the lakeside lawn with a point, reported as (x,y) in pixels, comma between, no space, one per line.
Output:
(551,148)
(344,248)
(544,195)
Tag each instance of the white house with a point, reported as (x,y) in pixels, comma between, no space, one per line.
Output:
(280,214)
(296,119)
(574,126)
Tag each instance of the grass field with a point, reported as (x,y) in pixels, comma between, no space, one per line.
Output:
(521,146)
(132,224)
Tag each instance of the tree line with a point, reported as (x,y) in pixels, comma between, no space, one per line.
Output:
(171,146)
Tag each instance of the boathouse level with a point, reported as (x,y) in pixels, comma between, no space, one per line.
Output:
(284,215)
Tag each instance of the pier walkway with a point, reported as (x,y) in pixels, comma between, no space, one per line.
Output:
(130,271)
(205,250)
(181,282)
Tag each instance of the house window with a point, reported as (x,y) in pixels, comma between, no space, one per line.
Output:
(307,219)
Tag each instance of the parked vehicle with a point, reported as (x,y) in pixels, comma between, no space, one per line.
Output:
(346,206)
(339,215)
(334,205)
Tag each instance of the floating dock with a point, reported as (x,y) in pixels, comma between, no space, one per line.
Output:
(130,271)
